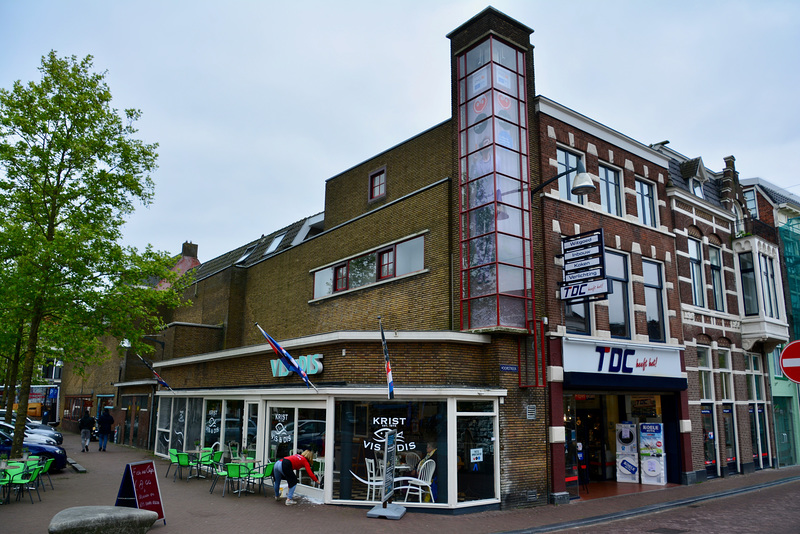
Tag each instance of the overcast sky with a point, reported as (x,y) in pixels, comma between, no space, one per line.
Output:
(256,104)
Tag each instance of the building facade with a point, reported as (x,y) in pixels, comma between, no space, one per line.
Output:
(540,340)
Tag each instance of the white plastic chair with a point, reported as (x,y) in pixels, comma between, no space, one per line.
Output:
(422,484)
(373,479)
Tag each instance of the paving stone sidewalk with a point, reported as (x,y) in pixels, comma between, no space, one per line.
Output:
(190,509)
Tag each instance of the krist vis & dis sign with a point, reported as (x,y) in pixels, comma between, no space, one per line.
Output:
(311,364)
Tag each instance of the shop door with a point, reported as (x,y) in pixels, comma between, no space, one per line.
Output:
(709,440)
(758,433)
(729,428)
(784,431)
(297,428)
(250,431)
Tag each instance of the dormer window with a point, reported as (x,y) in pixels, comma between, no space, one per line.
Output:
(377,184)
(697,188)
(750,200)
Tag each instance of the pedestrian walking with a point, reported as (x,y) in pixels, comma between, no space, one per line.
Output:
(286,467)
(86,424)
(104,423)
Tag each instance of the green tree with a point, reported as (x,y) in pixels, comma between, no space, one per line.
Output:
(70,172)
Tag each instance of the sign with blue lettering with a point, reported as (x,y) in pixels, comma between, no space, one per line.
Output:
(311,364)
(593,288)
(621,359)
(629,467)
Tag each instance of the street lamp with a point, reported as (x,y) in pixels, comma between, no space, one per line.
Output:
(583,184)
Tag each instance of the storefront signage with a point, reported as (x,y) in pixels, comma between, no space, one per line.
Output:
(594,288)
(377,442)
(584,267)
(311,364)
(621,359)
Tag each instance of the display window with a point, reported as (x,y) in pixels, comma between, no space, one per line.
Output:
(360,437)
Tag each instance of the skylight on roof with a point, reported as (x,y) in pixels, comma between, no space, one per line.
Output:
(275,242)
(246,254)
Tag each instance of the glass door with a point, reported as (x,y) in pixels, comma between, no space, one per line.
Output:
(250,434)
(293,429)
(730,439)
(784,431)
(709,440)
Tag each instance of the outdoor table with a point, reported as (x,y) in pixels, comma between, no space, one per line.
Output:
(245,461)
(195,455)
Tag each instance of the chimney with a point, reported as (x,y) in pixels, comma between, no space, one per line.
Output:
(189,250)
(730,190)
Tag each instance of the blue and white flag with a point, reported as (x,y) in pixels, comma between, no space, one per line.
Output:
(389,379)
(289,362)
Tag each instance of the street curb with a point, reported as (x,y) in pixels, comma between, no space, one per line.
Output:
(660,507)
(76,466)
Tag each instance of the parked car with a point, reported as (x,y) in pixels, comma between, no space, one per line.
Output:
(58,454)
(29,436)
(38,428)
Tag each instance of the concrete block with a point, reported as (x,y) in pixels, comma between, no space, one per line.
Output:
(102,520)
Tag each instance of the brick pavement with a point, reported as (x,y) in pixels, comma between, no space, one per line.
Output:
(190,509)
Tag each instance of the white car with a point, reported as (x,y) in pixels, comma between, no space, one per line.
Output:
(30,437)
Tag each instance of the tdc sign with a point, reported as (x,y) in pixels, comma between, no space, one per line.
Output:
(585,289)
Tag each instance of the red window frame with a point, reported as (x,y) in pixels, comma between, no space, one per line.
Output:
(386,263)
(377,184)
(340,277)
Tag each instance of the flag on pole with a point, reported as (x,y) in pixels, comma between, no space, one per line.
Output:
(158,376)
(289,362)
(389,379)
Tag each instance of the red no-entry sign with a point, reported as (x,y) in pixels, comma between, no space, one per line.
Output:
(790,361)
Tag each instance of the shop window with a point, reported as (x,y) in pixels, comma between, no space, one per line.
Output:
(213,422)
(162,425)
(654,301)
(618,308)
(178,425)
(233,422)
(360,434)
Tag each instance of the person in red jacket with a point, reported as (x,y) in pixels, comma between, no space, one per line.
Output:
(285,468)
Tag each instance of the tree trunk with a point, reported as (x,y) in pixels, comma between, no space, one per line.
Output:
(25,379)
(10,389)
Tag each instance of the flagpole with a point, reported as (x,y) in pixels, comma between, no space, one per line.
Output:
(389,379)
(160,380)
(286,358)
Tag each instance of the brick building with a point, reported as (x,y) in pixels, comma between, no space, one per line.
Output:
(527,387)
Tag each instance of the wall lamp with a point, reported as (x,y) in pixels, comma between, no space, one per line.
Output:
(583,184)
